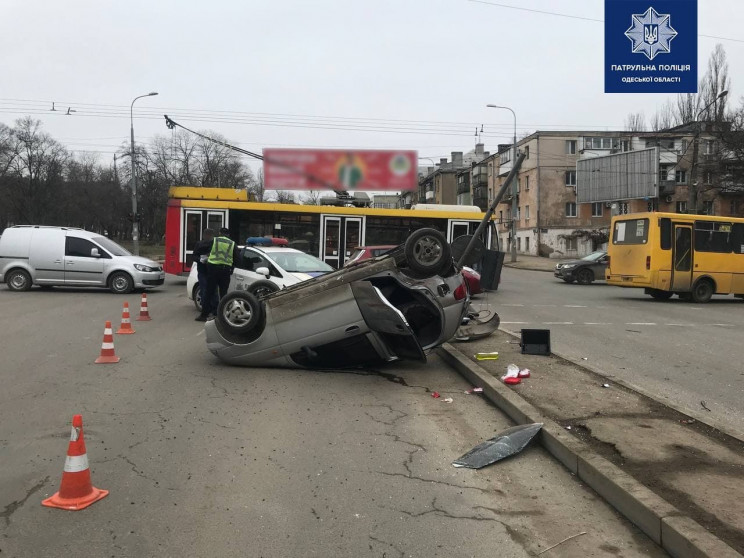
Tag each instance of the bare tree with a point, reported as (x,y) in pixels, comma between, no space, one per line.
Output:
(715,82)
(284,197)
(312,197)
(663,118)
(635,122)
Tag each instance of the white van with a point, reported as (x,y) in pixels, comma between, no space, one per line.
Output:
(64,256)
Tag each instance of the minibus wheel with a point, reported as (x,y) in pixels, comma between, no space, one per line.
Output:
(702,291)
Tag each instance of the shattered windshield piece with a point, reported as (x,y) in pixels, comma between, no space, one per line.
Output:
(509,442)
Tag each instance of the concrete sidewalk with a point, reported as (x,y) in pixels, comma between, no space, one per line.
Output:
(534,263)
(676,478)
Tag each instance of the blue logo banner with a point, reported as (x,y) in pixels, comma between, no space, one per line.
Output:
(651,46)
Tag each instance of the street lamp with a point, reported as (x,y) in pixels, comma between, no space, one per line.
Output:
(135,223)
(692,195)
(514,186)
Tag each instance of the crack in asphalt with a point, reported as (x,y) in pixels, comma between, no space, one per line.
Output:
(13,506)
(137,471)
(451,485)
(400,552)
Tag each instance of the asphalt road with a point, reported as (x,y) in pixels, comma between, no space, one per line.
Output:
(207,460)
(685,353)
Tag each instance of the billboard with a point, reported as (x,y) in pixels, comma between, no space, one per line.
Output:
(623,176)
(340,169)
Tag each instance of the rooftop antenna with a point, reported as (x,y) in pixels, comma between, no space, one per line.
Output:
(53,109)
(70,111)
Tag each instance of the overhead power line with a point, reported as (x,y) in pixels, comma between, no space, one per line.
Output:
(583,18)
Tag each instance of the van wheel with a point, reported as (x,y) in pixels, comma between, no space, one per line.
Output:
(240,312)
(702,291)
(262,288)
(18,280)
(196,295)
(584,276)
(427,252)
(121,283)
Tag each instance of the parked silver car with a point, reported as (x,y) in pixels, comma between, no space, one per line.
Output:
(66,256)
(396,306)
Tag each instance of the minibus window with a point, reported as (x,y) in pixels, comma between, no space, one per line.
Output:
(665,227)
(632,231)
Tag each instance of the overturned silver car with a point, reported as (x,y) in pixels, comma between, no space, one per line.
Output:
(396,306)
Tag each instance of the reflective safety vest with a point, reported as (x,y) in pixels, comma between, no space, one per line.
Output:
(222,251)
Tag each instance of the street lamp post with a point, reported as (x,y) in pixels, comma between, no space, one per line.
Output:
(513,227)
(135,223)
(692,195)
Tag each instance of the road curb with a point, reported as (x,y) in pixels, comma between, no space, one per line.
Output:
(679,535)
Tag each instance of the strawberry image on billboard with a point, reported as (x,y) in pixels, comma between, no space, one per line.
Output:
(340,169)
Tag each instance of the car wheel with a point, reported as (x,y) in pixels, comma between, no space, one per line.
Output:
(660,295)
(262,288)
(196,295)
(571,280)
(121,283)
(584,276)
(702,291)
(18,280)
(239,312)
(427,252)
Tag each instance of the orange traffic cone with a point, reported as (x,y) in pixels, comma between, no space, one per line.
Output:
(144,314)
(76,491)
(107,347)
(126,325)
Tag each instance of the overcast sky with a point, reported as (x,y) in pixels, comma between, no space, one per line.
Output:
(361,64)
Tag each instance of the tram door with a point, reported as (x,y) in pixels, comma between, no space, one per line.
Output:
(340,236)
(195,221)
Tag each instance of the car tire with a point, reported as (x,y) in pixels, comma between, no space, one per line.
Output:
(240,312)
(121,283)
(569,281)
(196,296)
(584,276)
(657,294)
(427,252)
(262,288)
(18,280)
(702,291)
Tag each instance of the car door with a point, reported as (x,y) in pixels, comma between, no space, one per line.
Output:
(82,266)
(249,260)
(599,268)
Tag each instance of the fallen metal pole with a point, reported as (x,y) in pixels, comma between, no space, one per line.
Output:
(492,209)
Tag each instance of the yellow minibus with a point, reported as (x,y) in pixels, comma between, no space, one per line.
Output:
(692,256)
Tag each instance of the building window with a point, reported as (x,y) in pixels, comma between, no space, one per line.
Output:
(598,143)
(501,216)
(708,207)
(570,209)
(526,151)
(505,156)
(519,212)
(570,178)
(571,147)
(526,183)
(597,209)
(709,177)
(681,207)
(490,168)
(527,244)
(519,243)
(664,171)
(710,146)
(526,212)
(683,146)
(680,177)
(625,145)
(571,244)
(519,185)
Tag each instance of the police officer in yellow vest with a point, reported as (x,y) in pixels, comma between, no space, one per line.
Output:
(219,270)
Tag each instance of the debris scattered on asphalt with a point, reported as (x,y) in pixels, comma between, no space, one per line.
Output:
(487,356)
(605,385)
(584,358)
(687,421)
(448,400)
(435,394)
(512,375)
(704,406)
(524,373)
(474,390)
(568,428)
(564,540)
(509,442)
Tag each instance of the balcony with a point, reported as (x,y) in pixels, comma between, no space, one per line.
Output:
(731,187)
(463,188)
(667,187)
(481,202)
(480,180)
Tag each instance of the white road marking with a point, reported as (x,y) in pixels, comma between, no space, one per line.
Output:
(544,305)
(512,305)
(521,323)
(640,323)
(558,323)
(201,332)
(722,325)
(597,323)
(680,325)
(573,306)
